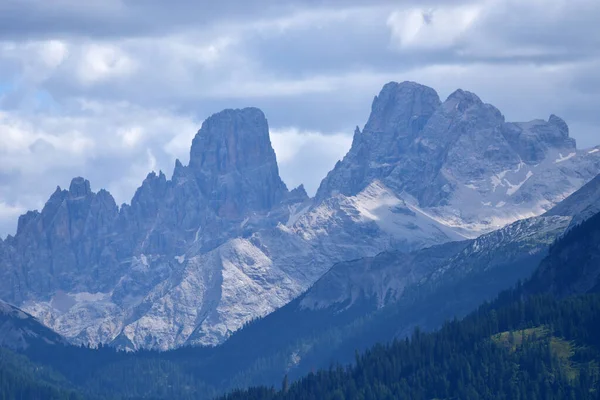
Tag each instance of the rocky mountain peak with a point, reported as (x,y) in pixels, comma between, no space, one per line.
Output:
(533,140)
(231,141)
(298,194)
(402,109)
(58,194)
(398,115)
(25,220)
(153,178)
(79,187)
(461,100)
(462,105)
(235,164)
(558,135)
(441,154)
(560,124)
(407,135)
(464,95)
(178,171)
(147,197)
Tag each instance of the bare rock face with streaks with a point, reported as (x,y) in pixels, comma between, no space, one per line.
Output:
(459,161)
(223,241)
(234,163)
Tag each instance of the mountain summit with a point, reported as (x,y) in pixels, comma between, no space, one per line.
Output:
(234,163)
(459,159)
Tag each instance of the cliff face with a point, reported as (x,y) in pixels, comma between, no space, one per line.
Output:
(235,165)
(460,160)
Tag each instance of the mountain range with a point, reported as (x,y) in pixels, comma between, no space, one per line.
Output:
(547,315)
(223,241)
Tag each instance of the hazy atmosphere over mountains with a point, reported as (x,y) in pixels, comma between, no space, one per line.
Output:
(103,90)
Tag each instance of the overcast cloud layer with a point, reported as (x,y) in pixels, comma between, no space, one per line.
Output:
(112,89)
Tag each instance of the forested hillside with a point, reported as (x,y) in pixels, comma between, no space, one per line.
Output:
(540,348)
(573,265)
(21,379)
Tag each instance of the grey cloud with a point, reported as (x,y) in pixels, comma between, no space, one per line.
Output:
(363,43)
(118,18)
(569,26)
(41,146)
(587,81)
(360,42)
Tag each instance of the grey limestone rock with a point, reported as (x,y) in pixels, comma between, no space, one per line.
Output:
(223,241)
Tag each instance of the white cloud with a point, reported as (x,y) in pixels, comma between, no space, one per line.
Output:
(20,137)
(131,136)
(35,61)
(307,157)
(54,52)
(434,28)
(100,62)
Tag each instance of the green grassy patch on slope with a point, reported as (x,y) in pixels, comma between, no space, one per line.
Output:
(562,349)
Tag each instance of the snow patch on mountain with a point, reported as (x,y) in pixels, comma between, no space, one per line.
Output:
(395,216)
(512,189)
(296,211)
(565,158)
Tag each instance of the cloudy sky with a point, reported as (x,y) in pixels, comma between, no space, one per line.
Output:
(112,89)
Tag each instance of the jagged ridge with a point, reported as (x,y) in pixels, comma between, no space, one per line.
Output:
(223,241)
